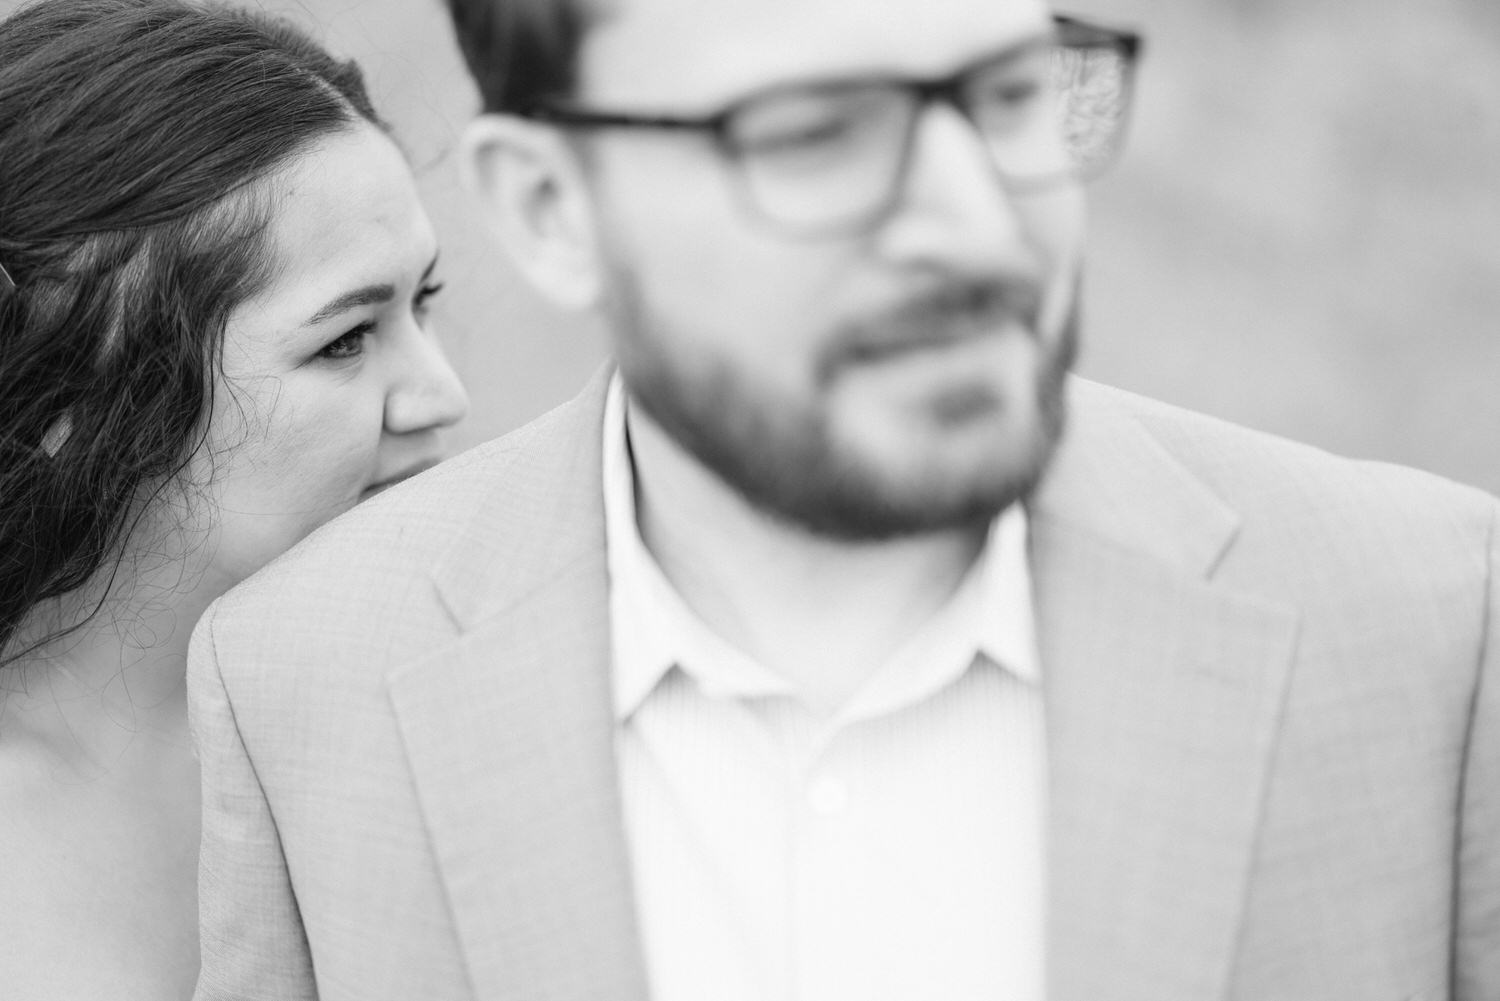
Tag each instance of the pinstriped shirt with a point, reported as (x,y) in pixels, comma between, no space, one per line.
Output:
(890,850)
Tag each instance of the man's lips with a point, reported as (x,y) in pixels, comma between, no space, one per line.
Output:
(954,314)
(935,337)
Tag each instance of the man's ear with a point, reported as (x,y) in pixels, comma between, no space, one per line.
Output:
(534,195)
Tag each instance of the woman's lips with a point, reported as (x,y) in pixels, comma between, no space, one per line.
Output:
(404,474)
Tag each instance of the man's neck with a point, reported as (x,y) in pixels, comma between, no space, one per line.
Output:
(824,613)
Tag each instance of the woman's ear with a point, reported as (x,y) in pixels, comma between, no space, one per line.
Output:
(534,195)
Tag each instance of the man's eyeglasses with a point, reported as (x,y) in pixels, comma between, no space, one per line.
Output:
(831,156)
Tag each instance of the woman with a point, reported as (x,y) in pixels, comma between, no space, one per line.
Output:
(213,338)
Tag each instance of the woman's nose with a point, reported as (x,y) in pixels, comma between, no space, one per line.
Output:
(426,394)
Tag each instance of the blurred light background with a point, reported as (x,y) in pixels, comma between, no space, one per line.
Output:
(1304,235)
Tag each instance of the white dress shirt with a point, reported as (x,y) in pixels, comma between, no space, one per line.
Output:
(889,851)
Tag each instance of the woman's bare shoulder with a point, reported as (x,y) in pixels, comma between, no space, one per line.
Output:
(99,861)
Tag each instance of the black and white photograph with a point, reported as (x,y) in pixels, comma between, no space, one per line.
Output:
(749,500)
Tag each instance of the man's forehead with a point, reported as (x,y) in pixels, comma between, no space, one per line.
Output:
(686,53)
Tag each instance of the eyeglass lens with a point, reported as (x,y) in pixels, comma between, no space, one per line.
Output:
(835,154)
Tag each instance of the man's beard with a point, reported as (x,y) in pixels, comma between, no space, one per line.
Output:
(783,457)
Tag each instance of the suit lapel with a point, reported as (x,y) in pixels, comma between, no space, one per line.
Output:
(1163,694)
(510,732)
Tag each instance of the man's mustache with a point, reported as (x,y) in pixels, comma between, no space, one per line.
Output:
(948,314)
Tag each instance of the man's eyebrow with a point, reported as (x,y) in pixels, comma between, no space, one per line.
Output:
(370,295)
(1024,46)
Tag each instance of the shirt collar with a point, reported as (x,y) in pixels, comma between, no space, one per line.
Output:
(654,631)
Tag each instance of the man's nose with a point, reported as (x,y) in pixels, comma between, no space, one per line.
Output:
(954,206)
(425,393)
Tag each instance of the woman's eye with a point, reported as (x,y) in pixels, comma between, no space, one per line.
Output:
(423,299)
(349,345)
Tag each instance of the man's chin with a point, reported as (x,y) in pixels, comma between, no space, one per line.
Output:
(967,452)
(913,444)
(872,464)
(952,481)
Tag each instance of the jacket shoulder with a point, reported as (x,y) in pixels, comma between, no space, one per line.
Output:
(1259,473)
(362,586)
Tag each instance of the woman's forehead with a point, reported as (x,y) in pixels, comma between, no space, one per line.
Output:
(343,214)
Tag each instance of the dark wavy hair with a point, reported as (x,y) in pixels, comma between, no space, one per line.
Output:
(521,50)
(133,135)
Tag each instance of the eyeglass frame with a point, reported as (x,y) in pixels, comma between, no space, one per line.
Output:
(947,89)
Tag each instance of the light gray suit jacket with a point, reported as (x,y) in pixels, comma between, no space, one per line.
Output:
(1272,698)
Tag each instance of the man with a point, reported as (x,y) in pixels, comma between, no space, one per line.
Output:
(837,644)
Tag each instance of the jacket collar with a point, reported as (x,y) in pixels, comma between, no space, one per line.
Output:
(1163,689)
(510,730)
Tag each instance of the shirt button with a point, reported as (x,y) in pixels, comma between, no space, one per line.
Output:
(827,796)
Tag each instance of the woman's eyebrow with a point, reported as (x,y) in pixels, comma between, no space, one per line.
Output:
(369,295)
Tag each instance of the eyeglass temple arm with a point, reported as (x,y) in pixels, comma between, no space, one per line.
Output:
(561,114)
